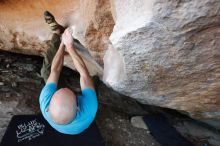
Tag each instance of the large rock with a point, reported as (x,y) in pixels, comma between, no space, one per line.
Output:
(22,25)
(23,28)
(93,24)
(169,53)
(160,52)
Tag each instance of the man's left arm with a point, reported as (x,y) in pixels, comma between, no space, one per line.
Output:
(51,84)
(57,65)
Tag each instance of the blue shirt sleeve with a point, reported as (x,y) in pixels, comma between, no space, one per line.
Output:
(87,103)
(46,95)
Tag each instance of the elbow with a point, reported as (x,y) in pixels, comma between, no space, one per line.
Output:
(84,74)
(56,66)
(55,70)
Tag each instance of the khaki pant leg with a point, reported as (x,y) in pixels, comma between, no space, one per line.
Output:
(48,58)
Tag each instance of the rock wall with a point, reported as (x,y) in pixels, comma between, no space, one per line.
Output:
(160,52)
(23,28)
(98,26)
(170,52)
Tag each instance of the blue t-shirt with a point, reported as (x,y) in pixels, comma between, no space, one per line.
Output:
(87,104)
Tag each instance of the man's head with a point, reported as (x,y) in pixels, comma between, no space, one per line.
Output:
(63,106)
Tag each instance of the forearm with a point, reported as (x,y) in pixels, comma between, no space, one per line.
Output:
(85,79)
(78,62)
(57,62)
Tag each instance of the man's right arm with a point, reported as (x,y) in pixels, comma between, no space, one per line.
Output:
(85,79)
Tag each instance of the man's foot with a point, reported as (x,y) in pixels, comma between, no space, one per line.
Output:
(138,122)
(55,27)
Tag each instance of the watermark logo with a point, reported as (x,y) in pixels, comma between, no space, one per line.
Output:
(29,130)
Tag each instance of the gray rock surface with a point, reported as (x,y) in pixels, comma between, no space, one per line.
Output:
(170,53)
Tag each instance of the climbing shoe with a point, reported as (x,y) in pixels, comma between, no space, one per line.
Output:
(55,27)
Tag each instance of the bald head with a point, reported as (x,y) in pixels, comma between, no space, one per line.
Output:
(63,106)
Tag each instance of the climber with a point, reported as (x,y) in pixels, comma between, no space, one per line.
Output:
(63,110)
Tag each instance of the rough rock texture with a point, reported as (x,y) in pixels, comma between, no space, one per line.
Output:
(23,28)
(170,53)
(160,52)
(93,24)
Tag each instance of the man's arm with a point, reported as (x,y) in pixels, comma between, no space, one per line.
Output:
(85,79)
(57,65)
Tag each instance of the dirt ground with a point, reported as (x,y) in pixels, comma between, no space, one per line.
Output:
(20,86)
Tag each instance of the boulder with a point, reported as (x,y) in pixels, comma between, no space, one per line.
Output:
(160,52)
(23,28)
(93,23)
(170,55)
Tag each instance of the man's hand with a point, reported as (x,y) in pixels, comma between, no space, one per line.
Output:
(68,39)
(85,79)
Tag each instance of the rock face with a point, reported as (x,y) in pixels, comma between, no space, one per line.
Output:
(96,18)
(23,28)
(160,52)
(170,53)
